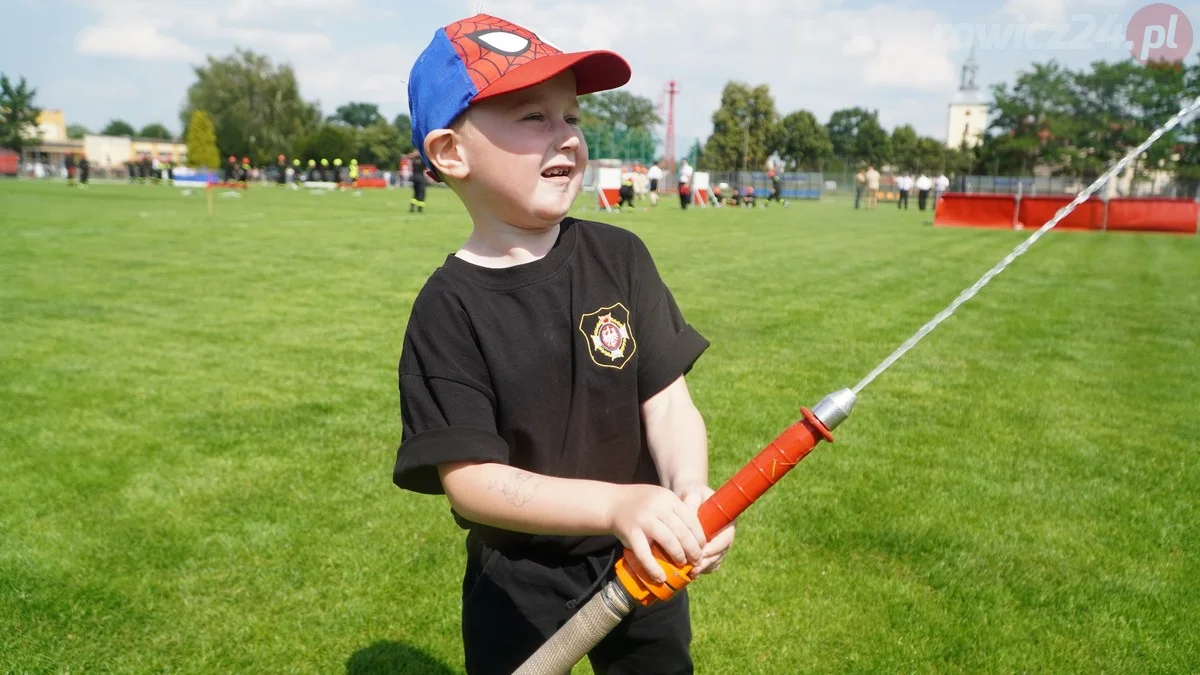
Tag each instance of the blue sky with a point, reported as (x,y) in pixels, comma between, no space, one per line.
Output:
(132,59)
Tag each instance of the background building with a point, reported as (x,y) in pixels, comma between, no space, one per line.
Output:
(968,111)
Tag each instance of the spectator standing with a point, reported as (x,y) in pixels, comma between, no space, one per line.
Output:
(872,178)
(924,185)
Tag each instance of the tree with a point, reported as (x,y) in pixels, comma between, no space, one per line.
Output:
(380,144)
(255,106)
(202,141)
(618,124)
(357,115)
(1186,152)
(77,131)
(744,128)
(695,154)
(930,156)
(118,128)
(403,124)
(858,137)
(620,109)
(802,140)
(156,130)
(330,141)
(904,147)
(1035,122)
(18,114)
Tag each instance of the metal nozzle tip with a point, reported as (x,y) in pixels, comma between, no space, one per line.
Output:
(835,408)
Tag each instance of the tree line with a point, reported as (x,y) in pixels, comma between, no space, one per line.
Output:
(1073,122)
(1076,122)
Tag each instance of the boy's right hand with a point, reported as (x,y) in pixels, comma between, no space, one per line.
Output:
(642,515)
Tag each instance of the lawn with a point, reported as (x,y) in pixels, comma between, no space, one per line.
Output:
(200,420)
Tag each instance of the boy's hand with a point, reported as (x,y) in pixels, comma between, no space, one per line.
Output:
(715,550)
(642,515)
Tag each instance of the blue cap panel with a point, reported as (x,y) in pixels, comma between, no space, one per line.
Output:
(439,89)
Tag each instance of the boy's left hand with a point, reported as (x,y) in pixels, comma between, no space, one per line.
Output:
(718,545)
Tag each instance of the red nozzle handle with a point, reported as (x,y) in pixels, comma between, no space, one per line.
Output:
(727,503)
(767,467)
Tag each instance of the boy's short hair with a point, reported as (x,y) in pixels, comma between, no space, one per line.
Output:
(477,58)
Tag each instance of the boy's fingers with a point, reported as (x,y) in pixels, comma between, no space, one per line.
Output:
(669,538)
(643,563)
(689,519)
(721,542)
(691,542)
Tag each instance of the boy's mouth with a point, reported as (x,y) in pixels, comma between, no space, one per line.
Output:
(557,172)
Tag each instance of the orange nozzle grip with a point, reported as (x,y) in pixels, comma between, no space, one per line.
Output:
(646,592)
(727,503)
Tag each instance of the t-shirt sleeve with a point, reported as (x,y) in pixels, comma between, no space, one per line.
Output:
(667,345)
(447,407)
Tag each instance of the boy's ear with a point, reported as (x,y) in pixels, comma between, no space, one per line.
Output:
(445,151)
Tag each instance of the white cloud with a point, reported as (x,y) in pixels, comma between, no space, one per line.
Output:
(1058,12)
(130,37)
(815,55)
(294,42)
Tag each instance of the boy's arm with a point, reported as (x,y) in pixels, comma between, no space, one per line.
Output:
(678,443)
(502,496)
(677,438)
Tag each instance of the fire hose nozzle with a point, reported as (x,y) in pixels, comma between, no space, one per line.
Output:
(835,408)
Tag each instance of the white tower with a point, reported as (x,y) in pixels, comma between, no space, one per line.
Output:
(968,110)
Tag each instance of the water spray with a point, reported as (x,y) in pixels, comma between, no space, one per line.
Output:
(618,597)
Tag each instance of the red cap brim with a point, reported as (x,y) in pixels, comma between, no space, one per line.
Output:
(594,71)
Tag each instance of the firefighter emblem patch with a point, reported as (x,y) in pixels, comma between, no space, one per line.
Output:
(609,336)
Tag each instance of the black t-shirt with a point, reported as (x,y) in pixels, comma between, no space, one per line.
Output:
(541,366)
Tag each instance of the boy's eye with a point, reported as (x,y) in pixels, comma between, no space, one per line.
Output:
(572,120)
(534,117)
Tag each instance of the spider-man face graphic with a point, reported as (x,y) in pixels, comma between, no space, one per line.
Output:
(490,47)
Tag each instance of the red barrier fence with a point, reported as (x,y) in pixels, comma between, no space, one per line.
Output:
(1035,211)
(1138,214)
(1153,214)
(975,210)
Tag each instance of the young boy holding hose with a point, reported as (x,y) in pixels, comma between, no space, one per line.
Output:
(542,375)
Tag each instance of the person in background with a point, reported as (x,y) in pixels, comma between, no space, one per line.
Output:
(904,185)
(626,190)
(940,185)
(872,178)
(85,168)
(776,188)
(685,184)
(654,174)
(419,180)
(860,186)
(924,185)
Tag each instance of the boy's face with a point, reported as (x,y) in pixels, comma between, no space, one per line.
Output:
(526,154)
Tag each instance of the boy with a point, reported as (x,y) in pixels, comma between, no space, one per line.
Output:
(541,378)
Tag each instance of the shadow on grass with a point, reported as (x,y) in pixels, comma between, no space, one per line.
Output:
(396,658)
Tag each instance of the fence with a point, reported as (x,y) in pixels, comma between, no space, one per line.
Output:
(1155,185)
(793,185)
(1136,214)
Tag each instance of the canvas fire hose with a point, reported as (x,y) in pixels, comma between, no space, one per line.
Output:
(618,597)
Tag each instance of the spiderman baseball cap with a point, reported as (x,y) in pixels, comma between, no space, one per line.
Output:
(477,58)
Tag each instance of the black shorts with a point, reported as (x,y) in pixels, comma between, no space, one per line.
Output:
(653,184)
(512,604)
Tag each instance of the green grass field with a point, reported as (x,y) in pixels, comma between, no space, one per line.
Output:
(200,420)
